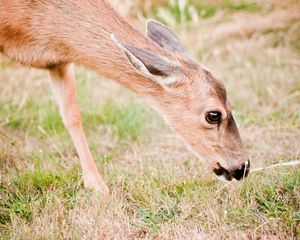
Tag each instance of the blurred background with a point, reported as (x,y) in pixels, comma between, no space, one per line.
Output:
(159,189)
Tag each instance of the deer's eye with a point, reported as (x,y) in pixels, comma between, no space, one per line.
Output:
(213,117)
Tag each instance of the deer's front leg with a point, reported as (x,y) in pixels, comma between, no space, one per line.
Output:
(64,87)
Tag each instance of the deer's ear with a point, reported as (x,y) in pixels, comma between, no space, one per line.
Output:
(164,37)
(150,65)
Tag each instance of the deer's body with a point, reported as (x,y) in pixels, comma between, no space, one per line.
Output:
(44,34)
(52,35)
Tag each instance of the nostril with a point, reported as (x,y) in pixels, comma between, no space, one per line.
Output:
(222,172)
(242,172)
(219,171)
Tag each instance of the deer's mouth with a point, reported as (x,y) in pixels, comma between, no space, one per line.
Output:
(238,174)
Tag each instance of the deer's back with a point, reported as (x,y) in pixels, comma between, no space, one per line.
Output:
(39,33)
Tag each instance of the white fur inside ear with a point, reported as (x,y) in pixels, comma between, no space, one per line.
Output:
(135,61)
(164,81)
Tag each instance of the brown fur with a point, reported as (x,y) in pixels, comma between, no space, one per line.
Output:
(52,34)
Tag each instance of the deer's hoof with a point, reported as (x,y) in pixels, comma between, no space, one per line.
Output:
(96,184)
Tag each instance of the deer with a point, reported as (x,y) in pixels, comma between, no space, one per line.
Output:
(55,35)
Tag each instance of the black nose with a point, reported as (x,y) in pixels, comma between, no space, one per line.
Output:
(238,174)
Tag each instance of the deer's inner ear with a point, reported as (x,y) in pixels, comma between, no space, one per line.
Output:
(150,65)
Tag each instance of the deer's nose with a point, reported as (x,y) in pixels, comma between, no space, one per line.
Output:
(238,174)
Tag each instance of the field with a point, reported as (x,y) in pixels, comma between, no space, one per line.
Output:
(159,190)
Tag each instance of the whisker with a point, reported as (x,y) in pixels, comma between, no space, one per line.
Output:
(290,163)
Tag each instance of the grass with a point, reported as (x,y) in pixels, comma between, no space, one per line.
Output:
(159,189)
(176,12)
(128,119)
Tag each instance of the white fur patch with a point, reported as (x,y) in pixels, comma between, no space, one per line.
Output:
(222,179)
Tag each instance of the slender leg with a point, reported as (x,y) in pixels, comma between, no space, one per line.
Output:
(64,87)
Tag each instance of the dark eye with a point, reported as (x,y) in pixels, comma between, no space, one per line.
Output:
(213,117)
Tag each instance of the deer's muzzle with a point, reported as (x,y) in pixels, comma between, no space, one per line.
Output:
(237,174)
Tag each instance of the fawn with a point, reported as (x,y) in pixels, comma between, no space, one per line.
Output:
(53,35)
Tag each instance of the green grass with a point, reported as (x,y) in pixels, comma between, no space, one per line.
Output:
(32,113)
(187,11)
(127,120)
(277,200)
(35,187)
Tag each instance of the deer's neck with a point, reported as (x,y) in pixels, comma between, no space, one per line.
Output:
(43,33)
(90,44)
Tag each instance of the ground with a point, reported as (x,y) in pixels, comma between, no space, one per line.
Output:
(159,190)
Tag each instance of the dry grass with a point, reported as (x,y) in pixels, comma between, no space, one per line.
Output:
(159,189)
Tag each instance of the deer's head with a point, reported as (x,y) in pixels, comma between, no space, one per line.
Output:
(192,101)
